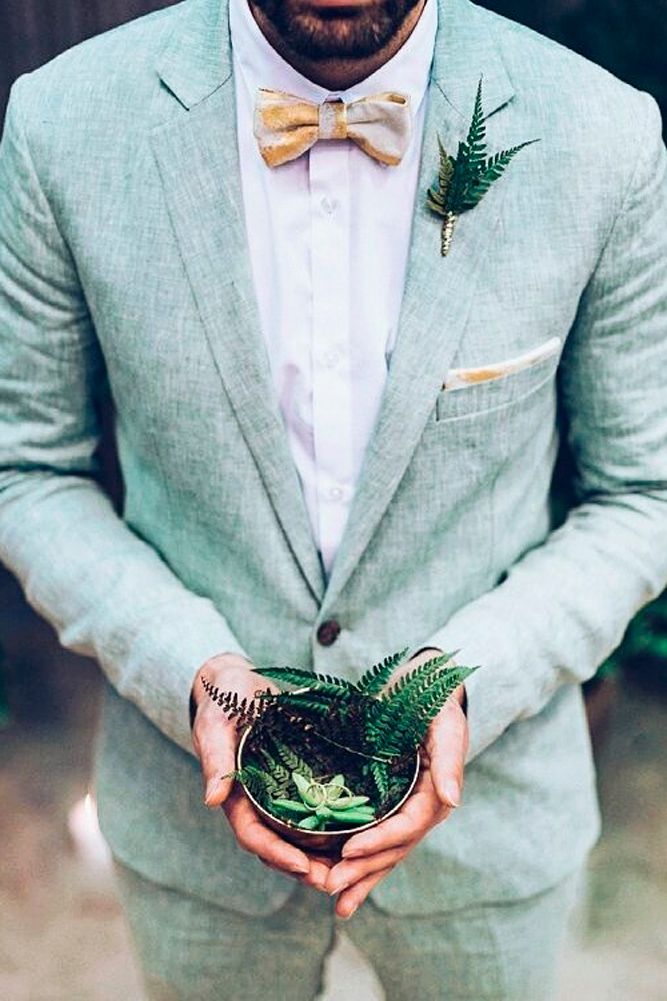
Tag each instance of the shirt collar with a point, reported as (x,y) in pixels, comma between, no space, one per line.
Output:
(407,71)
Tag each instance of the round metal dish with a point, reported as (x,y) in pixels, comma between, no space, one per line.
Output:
(323,842)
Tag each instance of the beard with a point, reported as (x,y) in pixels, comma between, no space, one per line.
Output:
(353,32)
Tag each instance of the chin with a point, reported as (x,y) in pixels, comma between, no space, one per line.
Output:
(336,29)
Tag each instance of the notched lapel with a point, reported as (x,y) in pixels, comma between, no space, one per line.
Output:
(198,163)
(196,153)
(439,292)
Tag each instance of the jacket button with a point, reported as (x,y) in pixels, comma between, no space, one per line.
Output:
(327,634)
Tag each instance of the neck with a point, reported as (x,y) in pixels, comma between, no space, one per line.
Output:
(336,74)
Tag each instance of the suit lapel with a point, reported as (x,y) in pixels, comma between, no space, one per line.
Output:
(197,160)
(439,293)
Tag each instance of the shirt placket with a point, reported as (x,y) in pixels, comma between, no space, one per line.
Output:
(331,376)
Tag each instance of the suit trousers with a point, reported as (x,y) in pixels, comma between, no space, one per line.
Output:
(192,950)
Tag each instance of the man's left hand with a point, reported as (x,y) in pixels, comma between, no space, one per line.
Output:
(371,855)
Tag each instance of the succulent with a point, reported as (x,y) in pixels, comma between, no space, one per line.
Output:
(322,804)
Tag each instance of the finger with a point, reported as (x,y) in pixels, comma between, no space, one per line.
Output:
(350,900)
(253,836)
(314,878)
(345,874)
(448,745)
(317,877)
(216,746)
(418,814)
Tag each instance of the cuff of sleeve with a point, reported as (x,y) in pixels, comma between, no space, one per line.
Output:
(170,660)
(495,692)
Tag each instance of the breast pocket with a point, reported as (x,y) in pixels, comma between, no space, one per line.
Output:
(469,392)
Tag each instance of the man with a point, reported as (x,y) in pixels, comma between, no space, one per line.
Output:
(336,442)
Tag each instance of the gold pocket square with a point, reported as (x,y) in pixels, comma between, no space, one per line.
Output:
(462,378)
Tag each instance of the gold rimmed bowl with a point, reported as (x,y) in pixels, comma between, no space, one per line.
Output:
(321,842)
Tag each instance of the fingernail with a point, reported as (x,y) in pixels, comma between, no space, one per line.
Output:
(351,852)
(300,868)
(337,889)
(212,787)
(452,791)
(352,912)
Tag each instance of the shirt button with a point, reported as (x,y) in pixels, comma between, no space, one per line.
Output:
(328,205)
(331,359)
(328,632)
(335,493)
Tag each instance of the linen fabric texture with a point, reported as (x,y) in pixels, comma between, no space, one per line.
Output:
(189,947)
(124,268)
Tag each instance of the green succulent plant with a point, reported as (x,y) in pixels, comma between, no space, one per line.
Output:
(323,803)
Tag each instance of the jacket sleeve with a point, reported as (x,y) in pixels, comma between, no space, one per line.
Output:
(106,592)
(565,605)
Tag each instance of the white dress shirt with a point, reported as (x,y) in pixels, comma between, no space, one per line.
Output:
(328,236)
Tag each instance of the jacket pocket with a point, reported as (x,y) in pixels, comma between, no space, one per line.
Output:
(470,391)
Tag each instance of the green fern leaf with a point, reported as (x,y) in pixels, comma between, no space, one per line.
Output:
(380,777)
(476,138)
(278,771)
(464,180)
(299,676)
(420,675)
(433,700)
(259,783)
(491,170)
(410,706)
(375,678)
(292,761)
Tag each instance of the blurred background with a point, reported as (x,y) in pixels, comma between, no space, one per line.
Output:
(62,936)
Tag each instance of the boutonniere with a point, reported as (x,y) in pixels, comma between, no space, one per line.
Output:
(464,180)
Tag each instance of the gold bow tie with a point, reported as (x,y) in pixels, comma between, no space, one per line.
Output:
(286,125)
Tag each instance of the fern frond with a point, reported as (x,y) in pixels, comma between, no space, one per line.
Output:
(475,140)
(375,678)
(309,702)
(437,196)
(491,170)
(259,783)
(292,761)
(420,675)
(277,770)
(432,700)
(298,676)
(465,179)
(244,711)
(445,170)
(378,771)
(407,711)
(435,201)
(463,175)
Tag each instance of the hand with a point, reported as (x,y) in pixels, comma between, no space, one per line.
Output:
(369,856)
(215,740)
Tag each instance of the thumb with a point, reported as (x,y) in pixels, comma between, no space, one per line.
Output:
(216,743)
(447,752)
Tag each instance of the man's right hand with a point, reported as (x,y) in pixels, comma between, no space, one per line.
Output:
(215,741)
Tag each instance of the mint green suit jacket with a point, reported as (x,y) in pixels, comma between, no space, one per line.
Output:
(124,268)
